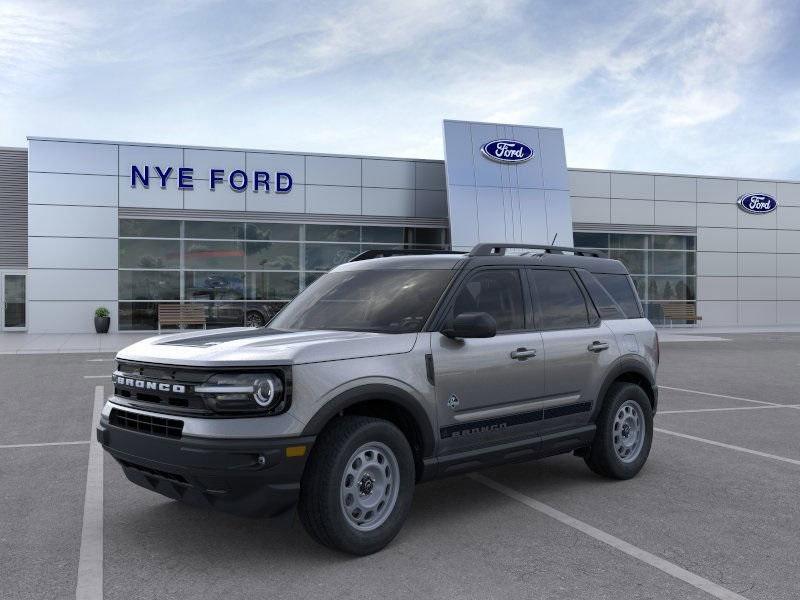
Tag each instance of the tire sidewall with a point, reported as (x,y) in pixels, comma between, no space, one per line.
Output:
(347,537)
(619,395)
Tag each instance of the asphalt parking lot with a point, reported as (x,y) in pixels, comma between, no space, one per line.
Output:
(714,513)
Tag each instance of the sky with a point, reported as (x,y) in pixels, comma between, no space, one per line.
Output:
(708,87)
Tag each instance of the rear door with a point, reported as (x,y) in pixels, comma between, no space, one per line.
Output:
(487,389)
(578,348)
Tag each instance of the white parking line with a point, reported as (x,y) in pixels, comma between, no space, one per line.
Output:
(665,387)
(701,410)
(90,563)
(671,569)
(106,376)
(729,446)
(44,444)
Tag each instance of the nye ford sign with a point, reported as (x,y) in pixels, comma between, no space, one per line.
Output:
(757,204)
(238,180)
(507,151)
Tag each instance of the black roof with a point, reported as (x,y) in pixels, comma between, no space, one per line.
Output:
(554,256)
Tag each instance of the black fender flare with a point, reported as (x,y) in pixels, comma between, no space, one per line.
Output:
(376,391)
(623,365)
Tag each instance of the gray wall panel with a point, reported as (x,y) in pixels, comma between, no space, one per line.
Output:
(388,173)
(72,253)
(73,157)
(330,199)
(676,189)
(331,170)
(72,221)
(594,184)
(273,162)
(386,201)
(83,190)
(430,176)
(72,284)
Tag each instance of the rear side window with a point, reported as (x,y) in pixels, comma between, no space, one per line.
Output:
(606,305)
(560,301)
(622,291)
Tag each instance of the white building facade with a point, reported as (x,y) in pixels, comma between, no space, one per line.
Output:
(132,226)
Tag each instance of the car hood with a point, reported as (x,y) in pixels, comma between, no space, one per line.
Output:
(246,346)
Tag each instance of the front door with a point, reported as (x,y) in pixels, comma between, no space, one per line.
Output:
(12,292)
(486,389)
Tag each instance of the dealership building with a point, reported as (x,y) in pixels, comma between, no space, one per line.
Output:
(136,227)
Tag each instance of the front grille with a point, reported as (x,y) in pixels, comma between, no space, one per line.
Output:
(186,402)
(169,428)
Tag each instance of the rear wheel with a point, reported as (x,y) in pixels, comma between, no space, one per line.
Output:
(624,433)
(357,488)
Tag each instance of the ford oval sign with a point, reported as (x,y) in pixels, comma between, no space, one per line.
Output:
(757,204)
(507,151)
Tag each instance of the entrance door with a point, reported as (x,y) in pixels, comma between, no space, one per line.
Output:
(12,291)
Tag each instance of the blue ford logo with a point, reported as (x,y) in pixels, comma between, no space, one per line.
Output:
(757,204)
(507,151)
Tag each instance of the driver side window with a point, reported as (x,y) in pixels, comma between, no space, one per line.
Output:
(497,292)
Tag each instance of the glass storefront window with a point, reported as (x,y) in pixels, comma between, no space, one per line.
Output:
(272,286)
(663,267)
(214,230)
(322,257)
(273,231)
(590,240)
(333,233)
(149,228)
(149,285)
(213,255)
(383,235)
(270,255)
(149,254)
(213,285)
(634,260)
(242,273)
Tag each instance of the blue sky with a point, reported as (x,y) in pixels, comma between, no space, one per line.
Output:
(707,87)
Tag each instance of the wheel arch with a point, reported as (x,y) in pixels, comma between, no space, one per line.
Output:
(387,402)
(630,370)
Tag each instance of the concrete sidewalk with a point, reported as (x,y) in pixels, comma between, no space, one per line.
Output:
(66,343)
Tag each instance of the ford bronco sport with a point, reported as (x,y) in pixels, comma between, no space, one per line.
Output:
(392,369)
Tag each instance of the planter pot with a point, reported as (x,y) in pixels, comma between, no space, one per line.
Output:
(101,324)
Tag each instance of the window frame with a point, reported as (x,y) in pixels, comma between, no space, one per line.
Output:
(592,316)
(450,296)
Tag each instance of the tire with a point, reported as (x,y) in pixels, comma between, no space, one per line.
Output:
(613,452)
(255,319)
(334,476)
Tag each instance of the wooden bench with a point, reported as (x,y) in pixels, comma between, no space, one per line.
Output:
(181,315)
(681,311)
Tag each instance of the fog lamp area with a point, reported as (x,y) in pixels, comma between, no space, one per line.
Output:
(244,393)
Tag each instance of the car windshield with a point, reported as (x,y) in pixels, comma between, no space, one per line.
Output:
(384,301)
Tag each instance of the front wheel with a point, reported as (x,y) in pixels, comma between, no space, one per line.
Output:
(624,433)
(356,490)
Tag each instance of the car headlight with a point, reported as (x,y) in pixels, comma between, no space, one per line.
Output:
(244,392)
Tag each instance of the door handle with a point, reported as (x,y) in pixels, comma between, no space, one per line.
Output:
(523,354)
(597,346)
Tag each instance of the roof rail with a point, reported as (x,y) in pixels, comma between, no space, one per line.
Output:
(380,253)
(499,249)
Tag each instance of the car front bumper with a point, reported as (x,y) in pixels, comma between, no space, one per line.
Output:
(249,477)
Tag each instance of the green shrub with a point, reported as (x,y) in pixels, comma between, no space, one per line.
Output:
(102,312)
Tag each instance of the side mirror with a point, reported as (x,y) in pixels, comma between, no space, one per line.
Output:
(472,325)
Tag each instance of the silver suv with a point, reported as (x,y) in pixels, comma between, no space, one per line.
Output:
(389,371)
